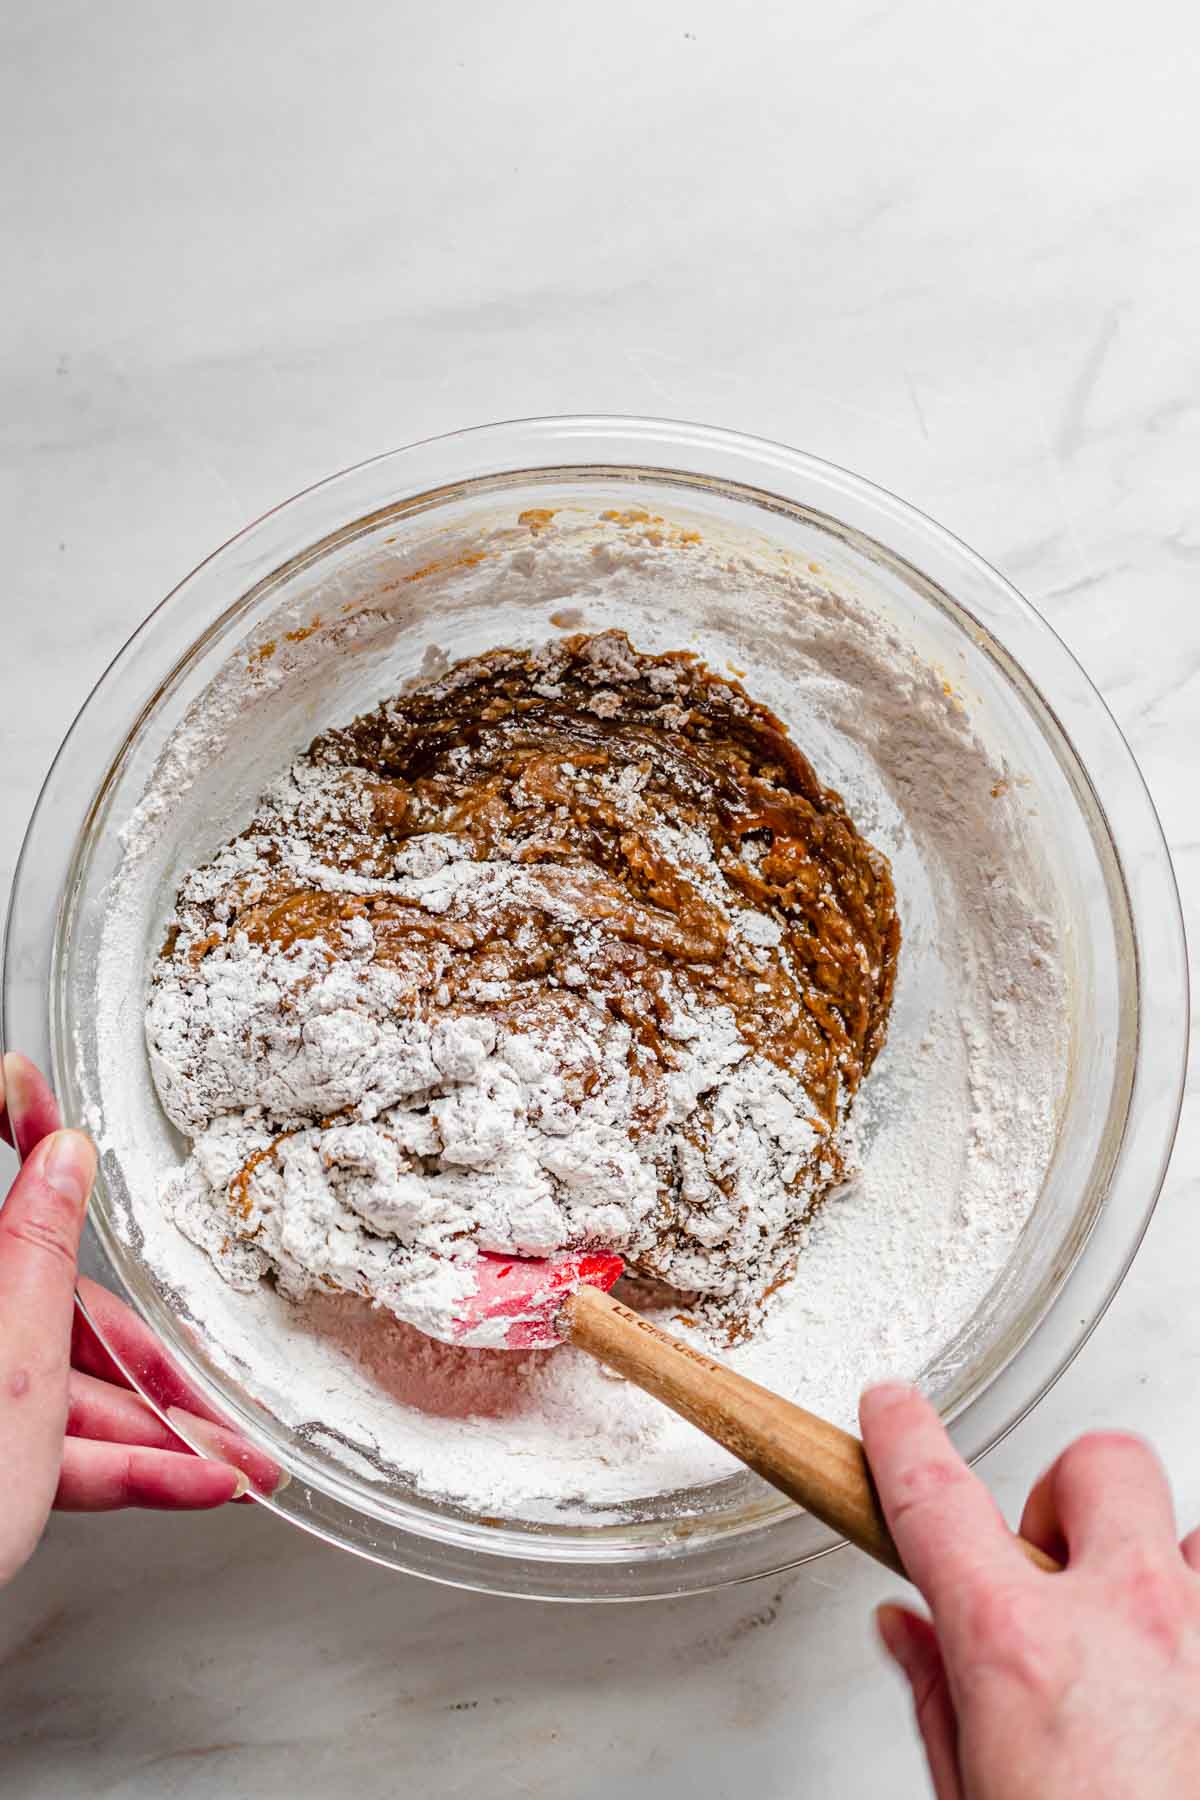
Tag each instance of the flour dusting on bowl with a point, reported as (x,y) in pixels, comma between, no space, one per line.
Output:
(956,1123)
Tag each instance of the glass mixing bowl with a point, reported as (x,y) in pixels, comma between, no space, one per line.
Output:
(315,559)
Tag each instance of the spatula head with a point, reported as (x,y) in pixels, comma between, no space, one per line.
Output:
(516,1299)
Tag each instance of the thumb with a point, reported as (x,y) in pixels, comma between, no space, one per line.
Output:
(40,1223)
(912,1644)
(41,1220)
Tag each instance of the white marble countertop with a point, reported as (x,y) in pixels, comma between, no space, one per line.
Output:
(953,249)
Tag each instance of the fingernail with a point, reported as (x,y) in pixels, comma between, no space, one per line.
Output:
(190,1426)
(16,1092)
(69,1166)
(10,1083)
(223,1445)
(212,1439)
(887,1390)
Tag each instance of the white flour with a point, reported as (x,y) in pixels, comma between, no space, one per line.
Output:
(955,1126)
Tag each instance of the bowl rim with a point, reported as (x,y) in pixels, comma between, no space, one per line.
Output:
(1141,1158)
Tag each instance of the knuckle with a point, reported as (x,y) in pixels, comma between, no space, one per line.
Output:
(924,1486)
(50,1231)
(1009,1640)
(1156,1599)
(1106,1446)
(997,1614)
(133,1478)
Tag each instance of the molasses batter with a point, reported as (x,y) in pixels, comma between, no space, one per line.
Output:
(616,863)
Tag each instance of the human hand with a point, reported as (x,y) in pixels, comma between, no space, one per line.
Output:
(1035,1686)
(72,1433)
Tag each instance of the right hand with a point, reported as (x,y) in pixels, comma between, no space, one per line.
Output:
(1082,1685)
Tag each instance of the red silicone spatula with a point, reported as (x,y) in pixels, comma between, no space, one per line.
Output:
(565,1300)
(521,1296)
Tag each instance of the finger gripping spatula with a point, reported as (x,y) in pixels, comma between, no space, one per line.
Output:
(526,1304)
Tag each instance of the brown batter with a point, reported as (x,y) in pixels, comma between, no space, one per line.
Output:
(575,761)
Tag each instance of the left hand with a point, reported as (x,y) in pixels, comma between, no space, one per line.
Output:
(73,1434)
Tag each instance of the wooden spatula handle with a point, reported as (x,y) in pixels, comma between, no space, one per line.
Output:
(807,1458)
